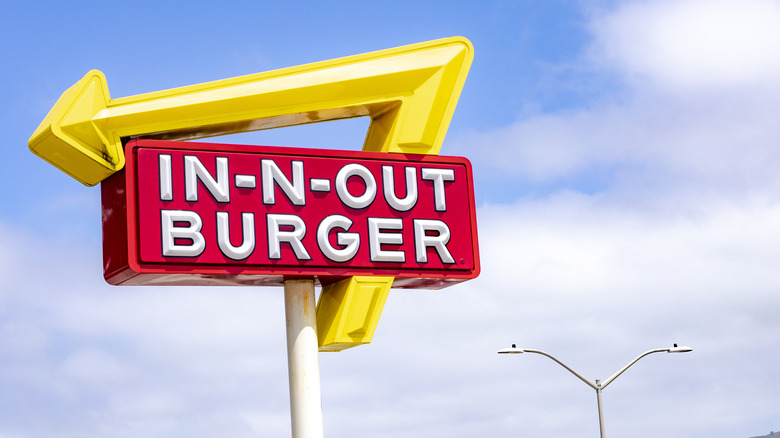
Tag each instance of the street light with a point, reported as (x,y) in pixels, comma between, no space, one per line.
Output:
(598,385)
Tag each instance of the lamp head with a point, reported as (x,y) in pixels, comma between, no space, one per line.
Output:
(512,350)
(680,349)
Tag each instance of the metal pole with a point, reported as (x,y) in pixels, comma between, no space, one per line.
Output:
(302,359)
(601,411)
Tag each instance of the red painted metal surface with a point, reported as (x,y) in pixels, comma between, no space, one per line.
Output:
(195,213)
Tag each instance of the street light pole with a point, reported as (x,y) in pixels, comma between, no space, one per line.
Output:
(597,385)
(601,411)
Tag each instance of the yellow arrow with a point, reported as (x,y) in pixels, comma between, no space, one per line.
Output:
(409,92)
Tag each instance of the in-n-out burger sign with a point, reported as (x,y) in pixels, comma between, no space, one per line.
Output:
(196,213)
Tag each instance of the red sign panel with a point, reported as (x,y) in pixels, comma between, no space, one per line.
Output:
(196,213)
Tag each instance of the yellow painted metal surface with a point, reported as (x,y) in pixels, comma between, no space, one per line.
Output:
(68,139)
(348,311)
(409,92)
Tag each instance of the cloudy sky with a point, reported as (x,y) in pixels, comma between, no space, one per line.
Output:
(627,161)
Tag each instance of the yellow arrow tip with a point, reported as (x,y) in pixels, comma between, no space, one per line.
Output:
(68,139)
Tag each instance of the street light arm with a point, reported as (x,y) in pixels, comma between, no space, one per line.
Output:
(615,376)
(579,376)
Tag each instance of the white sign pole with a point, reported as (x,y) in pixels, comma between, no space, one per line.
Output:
(302,359)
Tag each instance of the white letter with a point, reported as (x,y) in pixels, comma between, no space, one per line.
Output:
(194,170)
(170,232)
(376,239)
(223,236)
(438,242)
(360,171)
(351,241)
(272,174)
(438,176)
(388,182)
(276,236)
(166,180)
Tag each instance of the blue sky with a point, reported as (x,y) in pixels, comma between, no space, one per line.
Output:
(626,168)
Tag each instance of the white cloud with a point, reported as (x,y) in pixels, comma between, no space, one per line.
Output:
(654,141)
(692,44)
(690,122)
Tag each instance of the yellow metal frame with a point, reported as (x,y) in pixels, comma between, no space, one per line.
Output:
(409,92)
(348,311)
